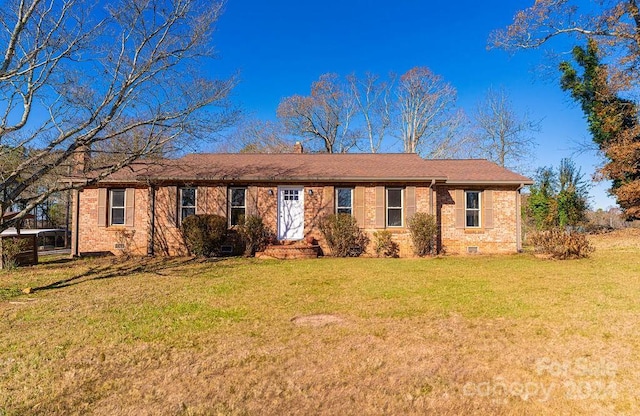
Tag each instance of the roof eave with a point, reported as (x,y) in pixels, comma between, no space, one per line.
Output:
(491,182)
(297,179)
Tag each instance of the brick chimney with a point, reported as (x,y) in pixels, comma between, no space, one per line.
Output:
(297,148)
(81,159)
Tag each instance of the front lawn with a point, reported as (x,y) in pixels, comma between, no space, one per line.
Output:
(453,335)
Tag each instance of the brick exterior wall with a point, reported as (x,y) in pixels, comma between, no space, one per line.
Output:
(502,237)
(167,239)
(262,200)
(93,238)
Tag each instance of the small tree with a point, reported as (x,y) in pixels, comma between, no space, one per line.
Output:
(343,235)
(424,229)
(542,207)
(558,199)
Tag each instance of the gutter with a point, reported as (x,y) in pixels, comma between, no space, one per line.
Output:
(519,218)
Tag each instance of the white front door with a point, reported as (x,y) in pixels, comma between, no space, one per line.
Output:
(291,213)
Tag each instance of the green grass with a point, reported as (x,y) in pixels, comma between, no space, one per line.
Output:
(185,336)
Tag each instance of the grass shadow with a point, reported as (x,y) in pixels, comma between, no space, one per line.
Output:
(56,261)
(122,268)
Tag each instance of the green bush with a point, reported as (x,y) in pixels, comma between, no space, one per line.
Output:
(560,244)
(255,234)
(204,234)
(424,230)
(385,246)
(343,235)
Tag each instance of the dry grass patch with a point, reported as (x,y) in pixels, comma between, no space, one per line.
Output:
(478,335)
(317,320)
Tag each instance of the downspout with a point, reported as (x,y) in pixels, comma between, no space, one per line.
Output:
(433,182)
(67,218)
(75,237)
(431,202)
(152,221)
(519,219)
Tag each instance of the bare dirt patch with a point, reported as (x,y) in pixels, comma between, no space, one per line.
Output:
(317,320)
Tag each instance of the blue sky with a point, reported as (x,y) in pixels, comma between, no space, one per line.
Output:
(280,47)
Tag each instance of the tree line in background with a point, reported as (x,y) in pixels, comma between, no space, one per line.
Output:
(415,111)
(604,77)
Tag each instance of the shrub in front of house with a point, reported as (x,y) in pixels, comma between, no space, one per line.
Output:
(204,234)
(11,248)
(255,234)
(561,244)
(343,236)
(424,230)
(384,244)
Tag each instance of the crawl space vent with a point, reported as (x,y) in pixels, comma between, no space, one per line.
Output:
(119,246)
(226,249)
(472,249)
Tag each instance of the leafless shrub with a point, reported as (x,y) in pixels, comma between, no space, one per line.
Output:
(561,244)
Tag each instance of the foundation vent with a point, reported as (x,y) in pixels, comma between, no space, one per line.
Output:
(119,246)
(472,249)
(226,249)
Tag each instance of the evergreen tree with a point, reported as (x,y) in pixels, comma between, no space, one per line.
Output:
(613,123)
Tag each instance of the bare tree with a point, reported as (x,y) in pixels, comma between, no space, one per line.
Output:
(503,136)
(614,25)
(374,102)
(259,136)
(124,81)
(426,110)
(322,118)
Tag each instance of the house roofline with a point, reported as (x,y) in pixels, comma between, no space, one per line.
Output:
(323,179)
(305,180)
(490,182)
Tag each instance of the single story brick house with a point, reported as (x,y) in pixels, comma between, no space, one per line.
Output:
(139,208)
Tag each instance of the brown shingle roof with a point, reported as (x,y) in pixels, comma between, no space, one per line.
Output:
(476,170)
(351,167)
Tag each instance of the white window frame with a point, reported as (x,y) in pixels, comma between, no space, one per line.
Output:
(112,206)
(467,209)
(343,208)
(401,207)
(182,207)
(232,207)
